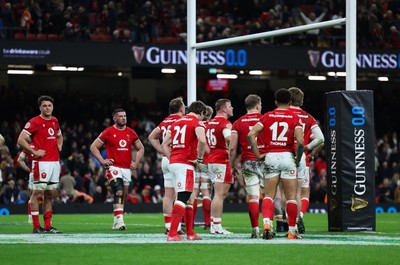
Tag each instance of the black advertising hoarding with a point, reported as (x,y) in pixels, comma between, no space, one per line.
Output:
(263,57)
(149,55)
(350,160)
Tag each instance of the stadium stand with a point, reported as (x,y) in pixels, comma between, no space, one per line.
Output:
(154,21)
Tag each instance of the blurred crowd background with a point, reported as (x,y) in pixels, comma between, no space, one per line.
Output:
(164,21)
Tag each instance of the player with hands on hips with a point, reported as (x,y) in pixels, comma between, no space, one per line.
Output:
(118,140)
(44,133)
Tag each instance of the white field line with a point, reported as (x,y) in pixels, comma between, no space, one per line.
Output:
(207,239)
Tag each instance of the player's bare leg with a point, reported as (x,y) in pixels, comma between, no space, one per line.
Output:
(304,199)
(48,197)
(189,219)
(182,207)
(117,186)
(37,228)
(290,190)
(195,195)
(270,188)
(118,218)
(168,204)
(205,191)
(217,204)
(279,209)
(253,193)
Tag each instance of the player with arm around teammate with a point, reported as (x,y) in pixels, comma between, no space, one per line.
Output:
(185,144)
(176,110)
(313,143)
(118,140)
(44,133)
(280,129)
(252,168)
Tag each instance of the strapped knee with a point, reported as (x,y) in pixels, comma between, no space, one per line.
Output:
(278,206)
(204,185)
(117,186)
(184,196)
(253,190)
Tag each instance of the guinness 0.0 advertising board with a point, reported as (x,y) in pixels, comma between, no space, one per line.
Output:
(174,55)
(350,160)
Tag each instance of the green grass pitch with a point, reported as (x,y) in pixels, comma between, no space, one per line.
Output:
(88,239)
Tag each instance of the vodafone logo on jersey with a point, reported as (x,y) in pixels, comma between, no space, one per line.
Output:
(51,133)
(122,143)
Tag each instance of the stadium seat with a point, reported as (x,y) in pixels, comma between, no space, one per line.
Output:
(31,36)
(160,39)
(42,36)
(96,37)
(101,37)
(52,37)
(19,36)
(102,30)
(106,37)
(167,40)
(172,40)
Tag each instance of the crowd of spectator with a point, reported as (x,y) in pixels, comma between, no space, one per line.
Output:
(378,22)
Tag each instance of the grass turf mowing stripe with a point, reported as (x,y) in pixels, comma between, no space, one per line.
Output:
(207,239)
